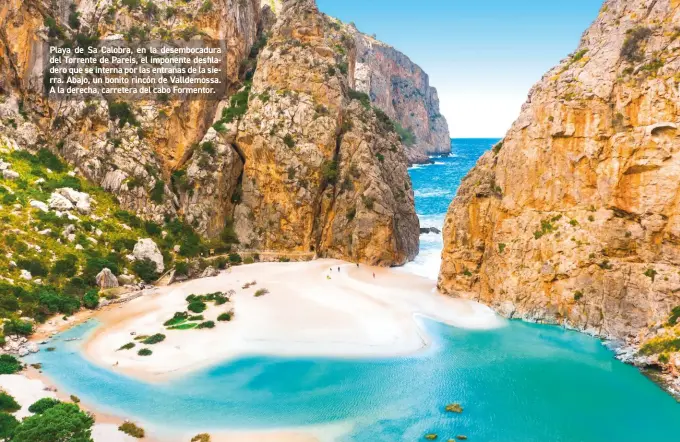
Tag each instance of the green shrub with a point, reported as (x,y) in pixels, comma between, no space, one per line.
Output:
(63,422)
(649,273)
(362,97)
(197,306)
(127,346)
(157,194)
(152,228)
(34,266)
(501,247)
(261,292)
(67,266)
(631,46)
(145,352)
(248,260)
(145,269)
(206,324)
(8,404)
(58,302)
(177,319)
(406,135)
(96,264)
(228,234)
(182,268)
(17,327)
(675,314)
(132,429)
(154,339)
(329,171)
(91,299)
(8,425)
(235,258)
(131,4)
(226,316)
(121,111)
(289,141)
(208,147)
(42,405)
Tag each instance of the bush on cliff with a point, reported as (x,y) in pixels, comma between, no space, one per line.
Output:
(145,269)
(631,46)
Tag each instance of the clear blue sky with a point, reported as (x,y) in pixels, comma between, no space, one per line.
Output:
(483,56)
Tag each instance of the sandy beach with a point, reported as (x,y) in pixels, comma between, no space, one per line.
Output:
(312,309)
(318,308)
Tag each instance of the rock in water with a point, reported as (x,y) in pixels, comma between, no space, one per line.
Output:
(106,279)
(146,248)
(575,216)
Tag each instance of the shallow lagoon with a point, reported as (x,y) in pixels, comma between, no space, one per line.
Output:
(519,383)
(522,382)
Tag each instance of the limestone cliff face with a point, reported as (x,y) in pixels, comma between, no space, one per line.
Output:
(402,90)
(306,169)
(574,217)
(134,162)
(321,173)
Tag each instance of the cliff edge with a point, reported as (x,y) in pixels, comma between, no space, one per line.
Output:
(574,218)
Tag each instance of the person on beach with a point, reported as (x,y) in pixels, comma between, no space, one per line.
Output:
(373,275)
(338,269)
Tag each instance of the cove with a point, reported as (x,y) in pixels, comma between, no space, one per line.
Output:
(522,382)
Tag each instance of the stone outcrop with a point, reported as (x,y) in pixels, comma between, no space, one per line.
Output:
(106,279)
(323,173)
(147,249)
(402,90)
(311,168)
(574,218)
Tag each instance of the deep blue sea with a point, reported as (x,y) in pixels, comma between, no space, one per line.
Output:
(520,383)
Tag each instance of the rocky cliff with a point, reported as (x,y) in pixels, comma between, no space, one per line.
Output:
(574,218)
(293,159)
(324,172)
(402,90)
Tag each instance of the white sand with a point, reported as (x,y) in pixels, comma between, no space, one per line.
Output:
(305,314)
(27,391)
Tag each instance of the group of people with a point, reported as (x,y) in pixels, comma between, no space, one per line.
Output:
(331,270)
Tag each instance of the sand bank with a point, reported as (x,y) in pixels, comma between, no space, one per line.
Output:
(310,310)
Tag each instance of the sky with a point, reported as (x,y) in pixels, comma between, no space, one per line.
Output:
(483,56)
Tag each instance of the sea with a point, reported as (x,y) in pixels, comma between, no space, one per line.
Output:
(518,383)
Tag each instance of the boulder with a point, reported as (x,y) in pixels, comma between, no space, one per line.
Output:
(80,200)
(126,279)
(39,205)
(146,248)
(209,272)
(9,174)
(106,279)
(59,202)
(25,274)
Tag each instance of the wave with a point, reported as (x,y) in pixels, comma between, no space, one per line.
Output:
(429,193)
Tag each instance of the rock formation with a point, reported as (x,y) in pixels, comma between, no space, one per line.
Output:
(574,218)
(323,172)
(296,159)
(402,90)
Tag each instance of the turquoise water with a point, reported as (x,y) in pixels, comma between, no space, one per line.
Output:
(519,383)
